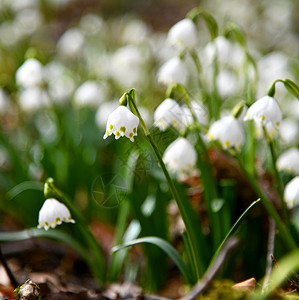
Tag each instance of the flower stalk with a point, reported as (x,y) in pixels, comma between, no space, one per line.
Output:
(190,229)
(98,268)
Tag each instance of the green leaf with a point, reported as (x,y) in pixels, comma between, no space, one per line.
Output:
(166,247)
(39,233)
(24,186)
(291,86)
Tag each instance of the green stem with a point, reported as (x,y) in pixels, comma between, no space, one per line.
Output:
(231,231)
(191,232)
(285,234)
(277,176)
(51,190)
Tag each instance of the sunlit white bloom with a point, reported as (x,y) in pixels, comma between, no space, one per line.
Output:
(173,71)
(53,213)
(90,94)
(168,113)
(227,83)
(200,113)
(135,31)
(60,81)
(183,34)
(263,111)
(128,65)
(289,131)
(228,132)
(104,110)
(27,21)
(291,193)
(180,156)
(30,73)
(122,122)
(33,99)
(92,24)
(288,161)
(71,42)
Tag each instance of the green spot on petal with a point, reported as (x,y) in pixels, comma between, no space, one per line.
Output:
(131,135)
(117,134)
(110,126)
(122,129)
(134,129)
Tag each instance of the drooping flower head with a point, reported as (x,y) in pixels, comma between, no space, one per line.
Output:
(291,193)
(30,73)
(173,71)
(180,156)
(288,161)
(168,113)
(183,34)
(122,122)
(228,132)
(263,111)
(53,213)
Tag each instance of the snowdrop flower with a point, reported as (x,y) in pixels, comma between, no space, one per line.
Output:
(289,131)
(33,99)
(53,213)
(122,122)
(200,112)
(104,110)
(288,161)
(183,34)
(180,156)
(168,113)
(228,132)
(71,43)
(89,94)
(173,71)
(291,193)
(263,111)
(227,83)
(30,73)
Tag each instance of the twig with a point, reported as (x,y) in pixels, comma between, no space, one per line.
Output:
(212,271)
(11,276)
(270,252)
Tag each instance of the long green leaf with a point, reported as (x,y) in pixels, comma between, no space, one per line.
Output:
(166,247)
(24,186)
(38,233)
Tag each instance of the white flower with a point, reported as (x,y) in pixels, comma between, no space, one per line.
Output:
(30,73)
(183,34)
(89,94)
(53,213)
(71,42)
(200,112)
(289,161)
(32,99)
(180,156)
(168,113)
(227,83)
(263,111)
(122,122)
(228,132)
(289,131)
(291,193)
(104,110)
(173,71)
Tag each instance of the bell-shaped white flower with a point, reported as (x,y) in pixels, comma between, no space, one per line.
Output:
(30,73)
(89,94)
(168,113)
(291,193)
(53,213)
(228,132)
(263,111)
(173,71)
(122,122)
(200,113)
(183,34)
(288,161)
(180,156)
